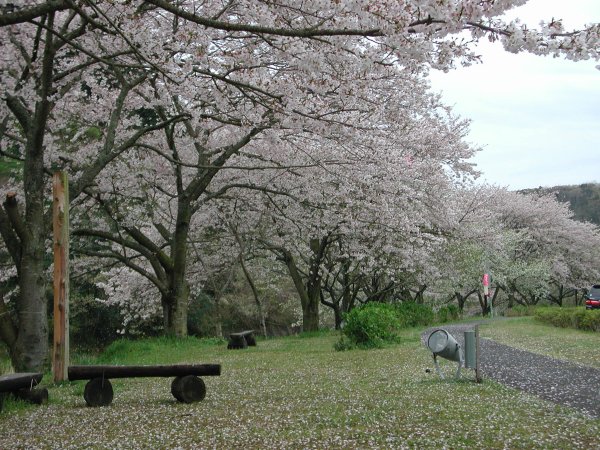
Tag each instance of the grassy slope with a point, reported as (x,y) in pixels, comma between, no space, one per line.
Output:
(526,333)
(298,393)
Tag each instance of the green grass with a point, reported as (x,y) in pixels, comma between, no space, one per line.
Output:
(529,334)
(163,350)
(8,166)
(297,392)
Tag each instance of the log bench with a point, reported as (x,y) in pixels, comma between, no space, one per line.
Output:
(21,385)
(187,387)
(241,340)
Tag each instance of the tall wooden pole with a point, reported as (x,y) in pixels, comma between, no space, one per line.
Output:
(60,222)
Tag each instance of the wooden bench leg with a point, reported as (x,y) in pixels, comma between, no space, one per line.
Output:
(98,392)
(251,340)
(35,396)
(188,389)
(237,341)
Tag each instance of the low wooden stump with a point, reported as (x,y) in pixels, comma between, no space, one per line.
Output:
(241,340)
(22,385)
(187,387)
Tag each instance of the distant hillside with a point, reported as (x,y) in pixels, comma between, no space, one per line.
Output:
(584,199)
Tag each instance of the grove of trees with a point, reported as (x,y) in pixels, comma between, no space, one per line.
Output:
(290,140)
(584,199)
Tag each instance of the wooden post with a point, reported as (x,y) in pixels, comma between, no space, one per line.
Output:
(60,222)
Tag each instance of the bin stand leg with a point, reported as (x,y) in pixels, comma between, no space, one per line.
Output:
(461,361)
(437,366)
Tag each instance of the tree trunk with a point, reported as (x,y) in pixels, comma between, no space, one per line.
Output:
(175,308)
(308,299)
(218,317)
(460,300)
(259,308)
(419,295)
(28,344)
(484,304)
(31,347)
(310,316)
(342,299)
(179,292)
(337,316)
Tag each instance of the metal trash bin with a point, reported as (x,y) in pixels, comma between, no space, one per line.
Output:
(470,350)
(441,343)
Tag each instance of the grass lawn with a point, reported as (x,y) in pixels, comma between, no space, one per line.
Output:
(526,333)
(297,392)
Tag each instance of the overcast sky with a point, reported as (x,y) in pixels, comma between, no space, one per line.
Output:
(537,118)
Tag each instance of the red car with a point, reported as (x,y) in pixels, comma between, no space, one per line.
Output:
(592,298)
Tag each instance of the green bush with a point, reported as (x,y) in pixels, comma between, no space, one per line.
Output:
(375,324)
(520,311)
(413,314)
(370,326)
(93,325)
(591,321)
(578,318)
(448,313)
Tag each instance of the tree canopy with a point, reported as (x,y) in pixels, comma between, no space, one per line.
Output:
(199,135)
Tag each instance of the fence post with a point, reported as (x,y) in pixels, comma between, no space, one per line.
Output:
(60,223)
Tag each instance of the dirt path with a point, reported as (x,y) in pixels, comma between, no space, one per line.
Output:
(558,381)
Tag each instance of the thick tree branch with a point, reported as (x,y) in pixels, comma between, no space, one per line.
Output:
(147,243)
(251,187)
(107,155)
(166,235)
(160,284)
(21,15)
(198,186)
(8,329)
(256,29)
(11,240)
(19,110)
(12,210)
(155,255)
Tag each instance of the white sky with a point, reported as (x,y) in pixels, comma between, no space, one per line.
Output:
(537,118)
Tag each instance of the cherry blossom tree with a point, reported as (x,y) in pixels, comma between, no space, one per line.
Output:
(530,244)
(268,64)
(552,247)
(54,75)
(373,212)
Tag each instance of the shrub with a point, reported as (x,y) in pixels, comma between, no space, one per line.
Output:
(591,321)
(448,313)
(578,318)
(520,311)
(344,344)
(413,314)
(370,326)
(93,325)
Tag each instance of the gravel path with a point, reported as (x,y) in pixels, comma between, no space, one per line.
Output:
(560,382)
